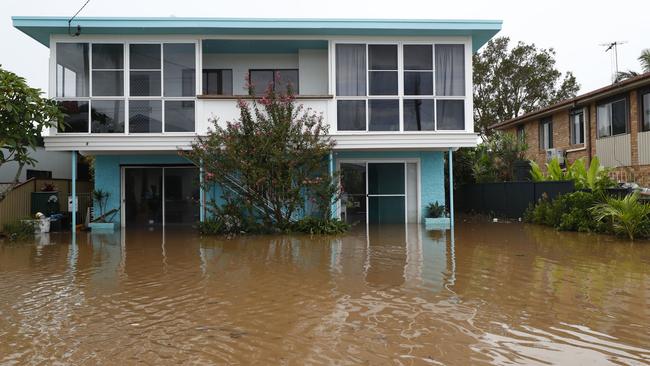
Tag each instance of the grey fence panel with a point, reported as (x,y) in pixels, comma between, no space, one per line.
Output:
(507,199)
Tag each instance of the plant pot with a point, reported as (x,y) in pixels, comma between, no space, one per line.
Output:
(433,223)
(102,226)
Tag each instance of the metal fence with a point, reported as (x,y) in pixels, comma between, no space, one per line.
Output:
(507,199)
(17,205)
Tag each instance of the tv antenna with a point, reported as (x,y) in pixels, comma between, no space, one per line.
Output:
(613,46)
(78,31)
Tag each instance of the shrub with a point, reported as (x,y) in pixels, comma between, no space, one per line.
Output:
(20,230)
(569,212)
(595,178)
(435,210)
(627,215)
(313,225)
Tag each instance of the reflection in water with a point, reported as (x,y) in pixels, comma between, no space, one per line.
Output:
(493,294)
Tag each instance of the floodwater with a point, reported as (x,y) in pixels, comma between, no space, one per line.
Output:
(496,294)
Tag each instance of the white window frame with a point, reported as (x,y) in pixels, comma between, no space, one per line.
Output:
(467,98)
(608,104)
(90,40)
(572,125)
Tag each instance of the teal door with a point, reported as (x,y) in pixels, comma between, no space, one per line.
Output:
(386,193)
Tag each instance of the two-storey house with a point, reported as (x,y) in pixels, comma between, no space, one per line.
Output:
(397,95)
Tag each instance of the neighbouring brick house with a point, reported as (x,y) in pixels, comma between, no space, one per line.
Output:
(612,123)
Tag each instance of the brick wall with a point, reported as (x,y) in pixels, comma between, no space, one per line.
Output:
(561,140)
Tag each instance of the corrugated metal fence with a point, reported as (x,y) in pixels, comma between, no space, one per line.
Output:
(17,205)
(507,199)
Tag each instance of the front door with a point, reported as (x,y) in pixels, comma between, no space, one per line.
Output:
(157,196)
(379,192)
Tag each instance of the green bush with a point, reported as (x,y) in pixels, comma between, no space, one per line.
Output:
(595,177)
(569,212)
(19,231)
(435,210)
(316,226)
(627,216)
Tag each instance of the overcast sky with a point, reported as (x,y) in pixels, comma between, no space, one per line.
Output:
(575,29)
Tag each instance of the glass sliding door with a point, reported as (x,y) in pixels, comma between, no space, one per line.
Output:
(386,193)
(143,189)
(353,199)
(157,196)
(379,192)
(181,196)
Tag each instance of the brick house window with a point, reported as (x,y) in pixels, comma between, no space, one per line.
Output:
(645,108)
(577,126)
(611,118)
(521,133)
(546,134)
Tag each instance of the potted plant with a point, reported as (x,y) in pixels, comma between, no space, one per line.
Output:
(101,221)
(437,216)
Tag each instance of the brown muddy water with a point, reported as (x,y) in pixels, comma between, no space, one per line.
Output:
(497,294)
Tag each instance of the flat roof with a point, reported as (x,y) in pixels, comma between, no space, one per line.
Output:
(41,27)
(609,90)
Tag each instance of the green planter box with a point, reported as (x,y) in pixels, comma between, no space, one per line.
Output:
(41,202)
(436,223)
(102,226)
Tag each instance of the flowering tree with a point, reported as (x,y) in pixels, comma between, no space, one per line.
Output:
(270,161)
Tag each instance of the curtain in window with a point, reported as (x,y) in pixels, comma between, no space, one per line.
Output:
(350,69)
(450,69)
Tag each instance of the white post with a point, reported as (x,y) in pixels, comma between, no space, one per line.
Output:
(74,191)
(451,189)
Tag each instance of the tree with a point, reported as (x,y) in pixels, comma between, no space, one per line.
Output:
(508,83)
(268,163)
(644,59)
(491,161)
(24,114)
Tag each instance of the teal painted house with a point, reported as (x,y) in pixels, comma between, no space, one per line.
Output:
(397,95)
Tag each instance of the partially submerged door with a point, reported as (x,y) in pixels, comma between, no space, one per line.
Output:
(157,196)
(386,193)
(143,196)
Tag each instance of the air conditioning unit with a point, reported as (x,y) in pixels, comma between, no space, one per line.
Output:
(555,154)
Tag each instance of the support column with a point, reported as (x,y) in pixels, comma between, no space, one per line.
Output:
(74,191)
(451,189)
(201,193)
(331,168)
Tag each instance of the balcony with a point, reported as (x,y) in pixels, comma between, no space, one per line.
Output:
(148,96)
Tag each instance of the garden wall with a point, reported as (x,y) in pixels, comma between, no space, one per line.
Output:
(507,199)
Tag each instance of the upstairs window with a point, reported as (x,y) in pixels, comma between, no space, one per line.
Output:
(72,70)
(279,79)
(217,82)
(160,95)
(546,134)
(612,118)
(577,126)
(430,96)
(645,110)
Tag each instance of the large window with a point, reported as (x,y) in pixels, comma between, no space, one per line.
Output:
(429,95)
(279,79)
(546,134)
(577,126)
(158,97)
(645,110)
(612,118)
